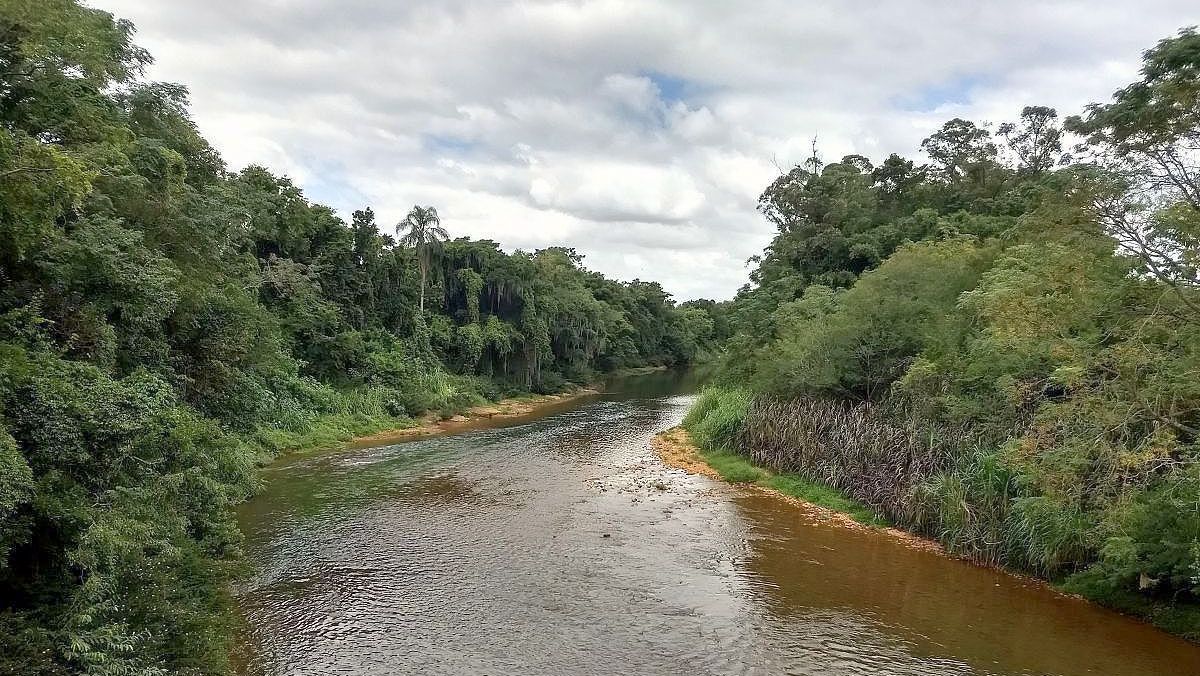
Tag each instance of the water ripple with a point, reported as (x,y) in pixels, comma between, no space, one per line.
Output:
(564,547)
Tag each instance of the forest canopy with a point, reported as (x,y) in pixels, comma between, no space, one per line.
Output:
(167,323)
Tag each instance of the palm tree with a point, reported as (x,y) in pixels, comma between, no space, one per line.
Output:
(422,230)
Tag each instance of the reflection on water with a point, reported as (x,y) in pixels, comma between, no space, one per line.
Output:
(563,546)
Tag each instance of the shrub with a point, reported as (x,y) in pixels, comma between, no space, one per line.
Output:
(717,416)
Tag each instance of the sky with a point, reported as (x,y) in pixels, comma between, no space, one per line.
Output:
(638,132)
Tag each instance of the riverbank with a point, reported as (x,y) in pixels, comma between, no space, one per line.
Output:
(505,409)
(676,449)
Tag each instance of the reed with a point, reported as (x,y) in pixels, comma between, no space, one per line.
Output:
(933,480)
(851,447)
(938,481)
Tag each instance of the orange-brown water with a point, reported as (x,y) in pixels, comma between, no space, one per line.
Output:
(564,546)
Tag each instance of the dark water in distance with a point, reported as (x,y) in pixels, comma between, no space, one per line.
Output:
(563,546)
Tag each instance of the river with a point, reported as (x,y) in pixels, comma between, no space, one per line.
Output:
(563,546)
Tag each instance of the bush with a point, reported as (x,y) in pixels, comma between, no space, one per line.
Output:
(551,382)
(717,416)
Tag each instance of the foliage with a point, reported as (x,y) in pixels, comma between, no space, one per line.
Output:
(717,416)
(1000,348)
(167,324)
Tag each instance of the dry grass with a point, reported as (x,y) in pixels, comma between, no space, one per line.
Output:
(850,447)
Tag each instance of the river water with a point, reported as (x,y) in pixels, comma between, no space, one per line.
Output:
(563,546)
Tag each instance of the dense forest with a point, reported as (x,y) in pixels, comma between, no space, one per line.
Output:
(998,347)
(167,324)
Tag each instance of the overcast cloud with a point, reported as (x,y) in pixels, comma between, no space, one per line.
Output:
(640,132)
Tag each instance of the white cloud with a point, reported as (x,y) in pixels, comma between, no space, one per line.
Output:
(639,132)
(604,191)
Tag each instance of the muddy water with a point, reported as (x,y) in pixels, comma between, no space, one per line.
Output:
(562,546)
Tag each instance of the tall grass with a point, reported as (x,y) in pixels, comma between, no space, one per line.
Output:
(932,480)
(717,421)
(339,415)
(312,415)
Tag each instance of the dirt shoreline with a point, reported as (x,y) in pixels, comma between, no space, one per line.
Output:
(505,409)
(431,423)
(675,448)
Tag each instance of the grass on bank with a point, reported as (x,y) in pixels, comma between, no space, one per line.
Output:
(327,432)
(713,422)
(335,416)
(738,469)
(716,418)
(320,417)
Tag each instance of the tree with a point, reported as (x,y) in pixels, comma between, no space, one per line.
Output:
(1147,144)
(1037,141)
(959,148)
(422,230)
(1154,124)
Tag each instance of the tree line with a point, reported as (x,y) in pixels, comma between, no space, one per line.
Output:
(167,324)
(998,347)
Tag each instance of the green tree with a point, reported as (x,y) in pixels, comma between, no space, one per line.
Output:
(421,229)
(1036,139)
(1146,141)
(960,149)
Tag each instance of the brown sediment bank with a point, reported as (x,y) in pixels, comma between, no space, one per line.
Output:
(676,449)
(505,409)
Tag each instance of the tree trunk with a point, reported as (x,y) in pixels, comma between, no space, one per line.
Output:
(422,266)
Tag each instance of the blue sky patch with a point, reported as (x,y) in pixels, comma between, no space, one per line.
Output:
(447,145)
(671,87)
(328,184)
(953,91)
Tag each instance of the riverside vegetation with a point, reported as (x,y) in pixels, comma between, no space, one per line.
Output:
(998,349)
(167,324)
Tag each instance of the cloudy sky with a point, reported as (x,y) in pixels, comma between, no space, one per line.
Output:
(640,132)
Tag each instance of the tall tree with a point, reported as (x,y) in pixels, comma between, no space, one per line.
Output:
(1148,140)
(422,230)
(959,148)
(1036,139)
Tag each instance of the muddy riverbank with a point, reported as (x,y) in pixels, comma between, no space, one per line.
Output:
(504,410)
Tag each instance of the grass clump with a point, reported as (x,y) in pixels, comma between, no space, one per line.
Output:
(824,496)
(717,416)
(732,467)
